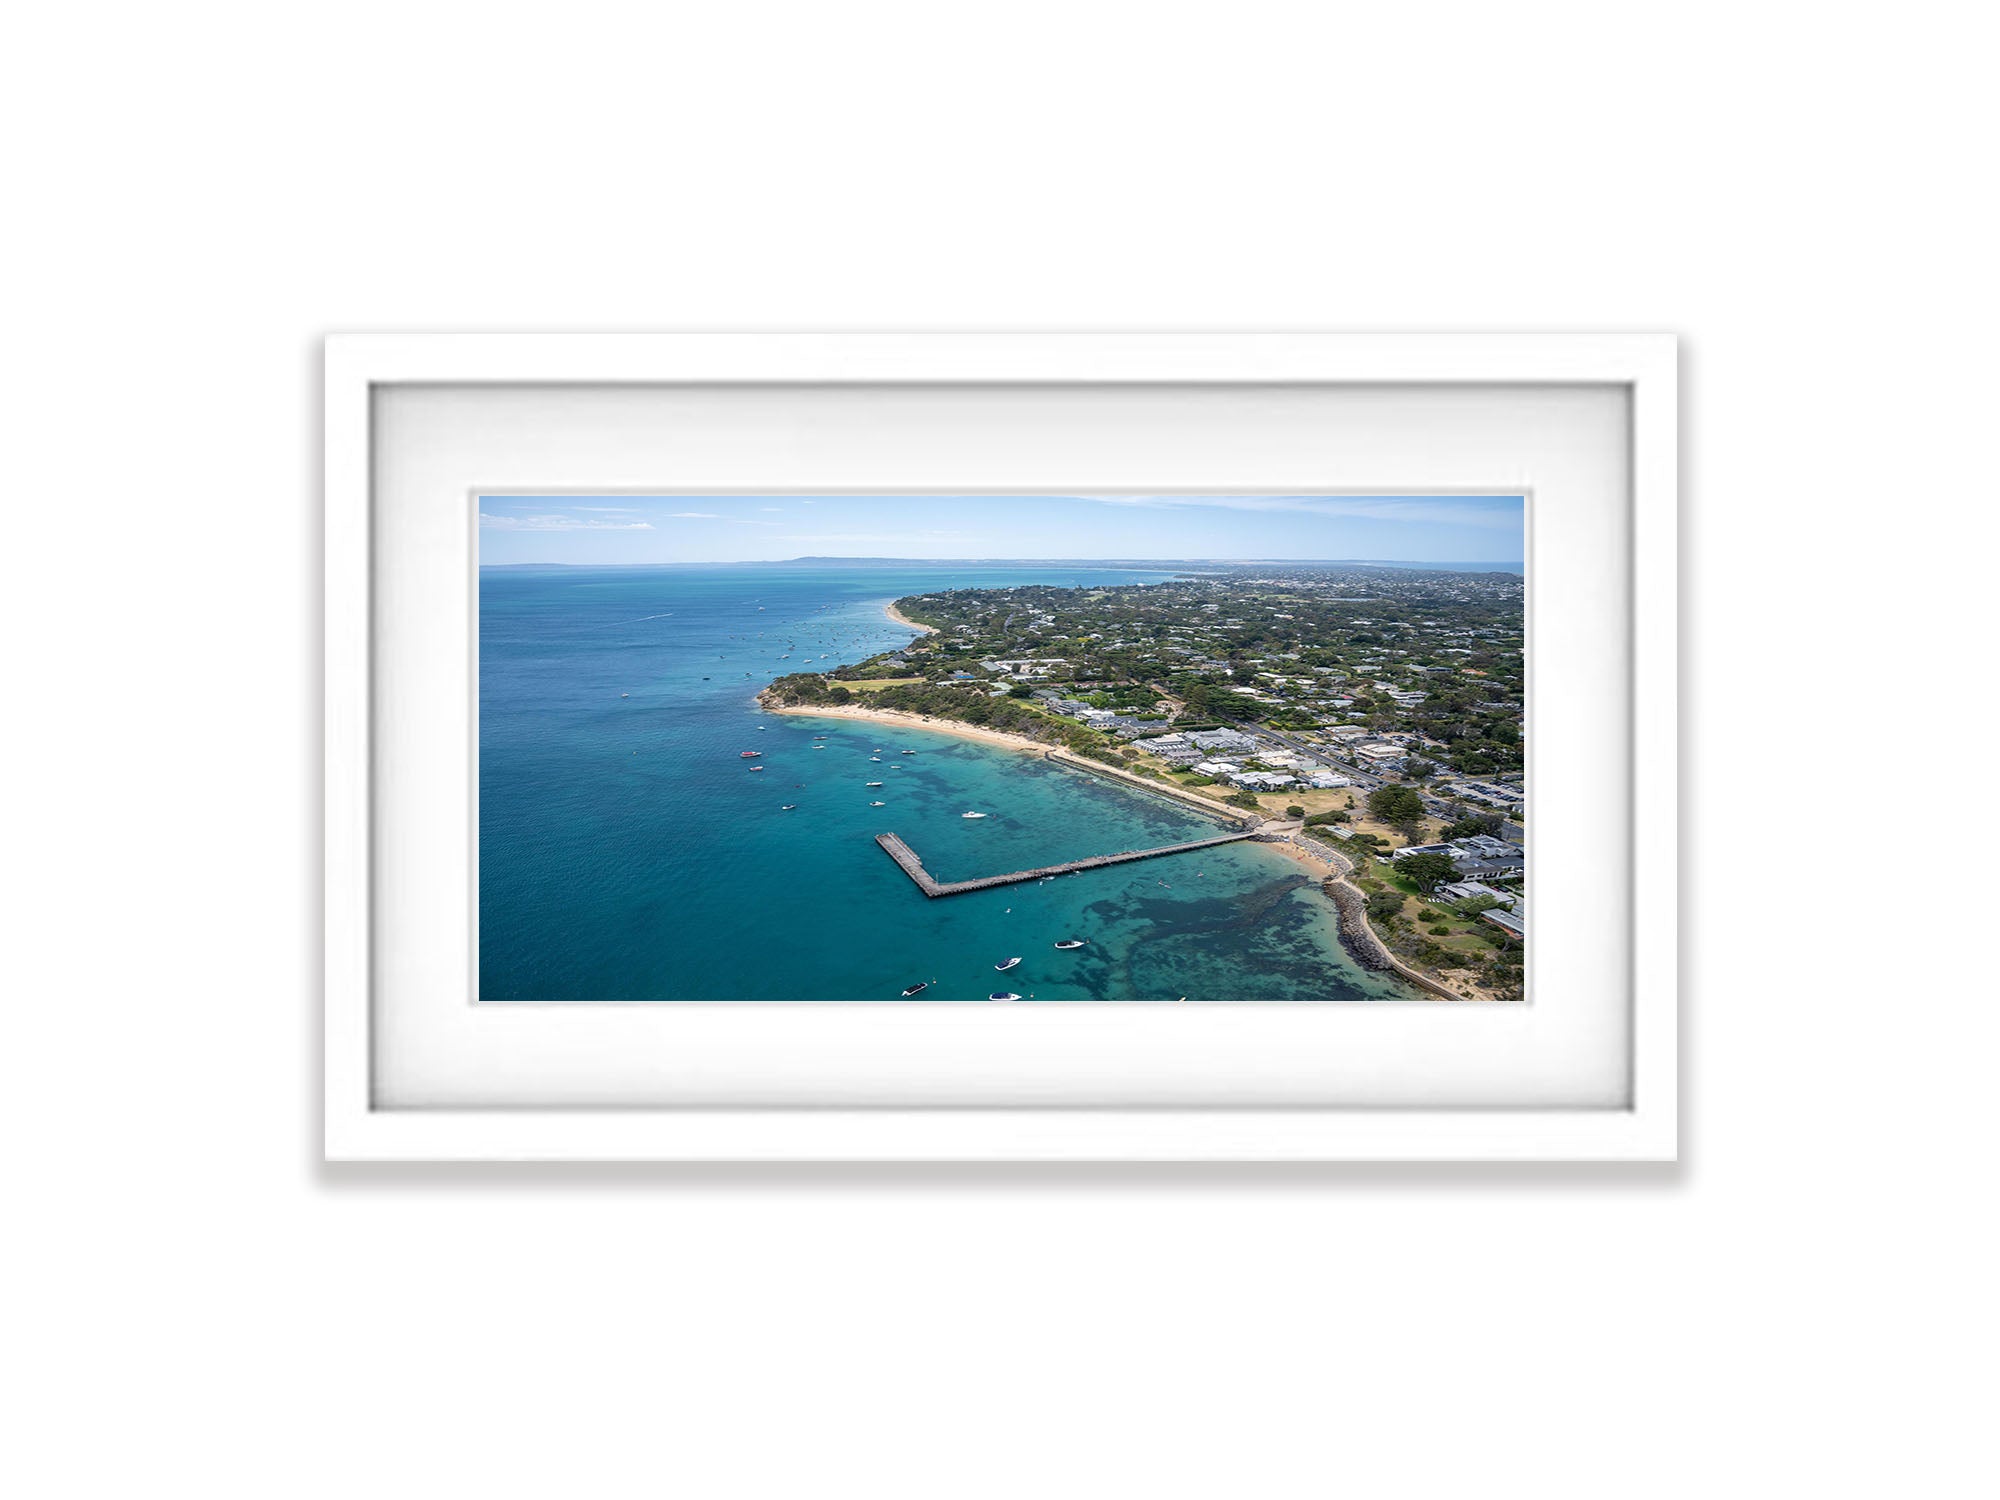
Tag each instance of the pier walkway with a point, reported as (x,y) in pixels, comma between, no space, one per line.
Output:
(913,867)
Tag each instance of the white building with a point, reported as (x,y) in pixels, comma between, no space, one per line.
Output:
(1262,781)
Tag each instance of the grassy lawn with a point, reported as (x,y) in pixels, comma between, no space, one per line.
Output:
(1465,932)
(1335,800)
(876,684)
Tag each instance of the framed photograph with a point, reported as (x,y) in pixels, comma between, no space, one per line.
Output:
(1000,748)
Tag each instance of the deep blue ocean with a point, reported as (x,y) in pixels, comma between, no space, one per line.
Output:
(628,852)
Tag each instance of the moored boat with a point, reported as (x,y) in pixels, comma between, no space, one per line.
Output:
(748,754)
(1070,943)
(1003,995)
(972,815)
(1006,963)
(922,984)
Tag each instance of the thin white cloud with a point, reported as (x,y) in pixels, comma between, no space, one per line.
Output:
(692,515)
(1448,509)
(879,538)
(557,523)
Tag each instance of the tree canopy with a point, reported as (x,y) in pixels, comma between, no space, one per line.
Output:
(1396,805)
(1427,871)
(1472,823)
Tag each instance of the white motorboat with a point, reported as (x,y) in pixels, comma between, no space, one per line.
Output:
(1070,943)
(1005,964)
(972,815)
(1003,995)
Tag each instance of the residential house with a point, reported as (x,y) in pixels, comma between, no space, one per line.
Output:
(1469,890)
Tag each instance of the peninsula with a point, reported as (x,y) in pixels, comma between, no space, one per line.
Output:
(1365,720)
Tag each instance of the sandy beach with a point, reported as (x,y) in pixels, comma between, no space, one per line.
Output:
(1009,742)
(1427,985)
(900,618)
(1462,987)
(918,721)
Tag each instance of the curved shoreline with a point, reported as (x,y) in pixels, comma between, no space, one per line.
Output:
(900,618)
(895,716)
(1007,741)
(1351,912)
(1349,901)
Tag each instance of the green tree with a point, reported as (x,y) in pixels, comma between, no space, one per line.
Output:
(1396,805)
(1427,871)
(1470,824)
(1295,811)
(1383,905)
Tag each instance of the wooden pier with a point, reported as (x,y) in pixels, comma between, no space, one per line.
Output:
(913,867)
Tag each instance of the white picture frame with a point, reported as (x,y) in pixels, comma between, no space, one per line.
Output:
(511,1119)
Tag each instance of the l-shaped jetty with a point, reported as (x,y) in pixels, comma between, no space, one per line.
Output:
(913,867)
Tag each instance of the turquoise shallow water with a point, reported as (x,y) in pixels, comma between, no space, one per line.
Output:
(627,851)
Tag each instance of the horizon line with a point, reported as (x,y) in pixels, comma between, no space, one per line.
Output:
(1238,562)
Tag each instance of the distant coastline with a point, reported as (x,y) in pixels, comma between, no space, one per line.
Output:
(1193,566)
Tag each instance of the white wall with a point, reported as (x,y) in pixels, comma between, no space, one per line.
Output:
(198,192)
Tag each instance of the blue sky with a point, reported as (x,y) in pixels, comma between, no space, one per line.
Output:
(766,528)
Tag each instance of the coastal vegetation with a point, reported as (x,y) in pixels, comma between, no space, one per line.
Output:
(941,701)
(1382,708)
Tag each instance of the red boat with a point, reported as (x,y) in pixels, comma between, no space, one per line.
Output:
(752,754)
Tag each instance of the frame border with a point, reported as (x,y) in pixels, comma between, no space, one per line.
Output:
(1646,364)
